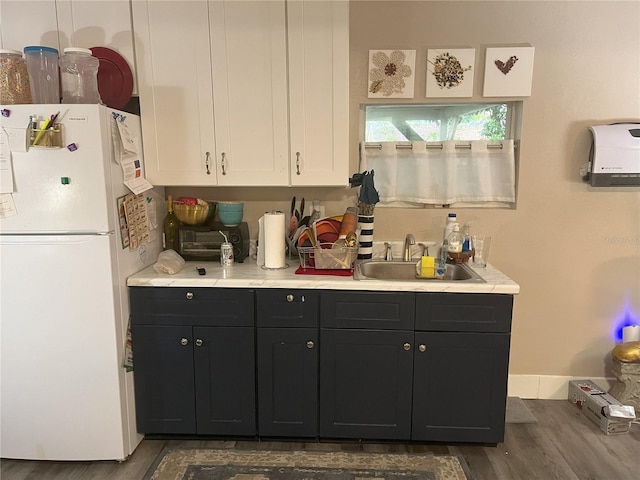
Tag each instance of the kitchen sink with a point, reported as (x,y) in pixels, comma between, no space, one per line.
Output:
(408,271)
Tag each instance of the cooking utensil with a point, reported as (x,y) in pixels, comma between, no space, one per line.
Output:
(294,220)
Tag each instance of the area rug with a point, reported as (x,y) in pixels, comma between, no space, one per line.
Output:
(518,412)
(215,464)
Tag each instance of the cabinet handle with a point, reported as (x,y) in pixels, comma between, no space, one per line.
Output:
(310,344)
(189,295)
(297,163)
(206,162)
(199,342)
(289,298)
(184,341)
(407,346)
(223,163)
(422,348)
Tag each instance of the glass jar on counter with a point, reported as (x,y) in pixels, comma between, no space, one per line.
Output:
(14,78)
(79,76)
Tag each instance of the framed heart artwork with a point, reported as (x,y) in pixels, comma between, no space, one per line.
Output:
(508,72)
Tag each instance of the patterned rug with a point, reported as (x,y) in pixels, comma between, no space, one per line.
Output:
(212,464)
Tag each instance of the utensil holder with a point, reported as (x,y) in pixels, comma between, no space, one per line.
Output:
(49,138)
(365,236)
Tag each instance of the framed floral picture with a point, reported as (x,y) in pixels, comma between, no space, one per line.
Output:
(391,73)
(508,72)
(450,72)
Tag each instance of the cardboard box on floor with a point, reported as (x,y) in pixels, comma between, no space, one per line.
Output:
(595,404)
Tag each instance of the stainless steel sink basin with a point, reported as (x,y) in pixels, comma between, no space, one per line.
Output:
(407,271)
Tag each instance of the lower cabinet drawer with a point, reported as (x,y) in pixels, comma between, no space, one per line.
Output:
(192,306)
(370,310)
(463,312)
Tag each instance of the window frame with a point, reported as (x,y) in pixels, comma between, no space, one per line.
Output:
(513,127)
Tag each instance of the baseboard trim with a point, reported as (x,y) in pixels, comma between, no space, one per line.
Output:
(549,387)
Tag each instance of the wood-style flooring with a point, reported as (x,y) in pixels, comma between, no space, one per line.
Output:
(563,445)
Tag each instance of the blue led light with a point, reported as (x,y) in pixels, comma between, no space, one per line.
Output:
(625,319)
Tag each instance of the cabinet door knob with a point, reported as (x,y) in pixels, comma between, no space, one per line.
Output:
(223,163)
(422,348)
(199,342)
(184,341)
(289,298)
(297,163)
(189,295)
(310,344)
(407,346)
(206,162)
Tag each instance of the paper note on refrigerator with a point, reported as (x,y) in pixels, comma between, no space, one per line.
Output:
(126,149)
(7,205)
(124,143)
(6,166)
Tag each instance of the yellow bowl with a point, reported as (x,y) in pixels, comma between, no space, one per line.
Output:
(191,214)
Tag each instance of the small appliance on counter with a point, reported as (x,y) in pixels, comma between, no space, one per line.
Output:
(204,242)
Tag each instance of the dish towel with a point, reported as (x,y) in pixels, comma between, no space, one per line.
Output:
(128,351)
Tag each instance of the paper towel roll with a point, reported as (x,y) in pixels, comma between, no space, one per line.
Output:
(631,334)
(274,243)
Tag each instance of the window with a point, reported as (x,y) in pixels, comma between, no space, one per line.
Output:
(432,123)
(417,179)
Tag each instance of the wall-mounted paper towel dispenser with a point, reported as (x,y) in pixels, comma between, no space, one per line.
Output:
(614,159)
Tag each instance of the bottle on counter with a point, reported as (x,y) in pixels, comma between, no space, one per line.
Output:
(169,227)
(455,240)
(466,237)
(452,220)
(441,268)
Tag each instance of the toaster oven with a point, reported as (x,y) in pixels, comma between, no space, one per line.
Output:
(203,242)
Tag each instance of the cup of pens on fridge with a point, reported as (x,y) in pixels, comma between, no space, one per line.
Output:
(45,132)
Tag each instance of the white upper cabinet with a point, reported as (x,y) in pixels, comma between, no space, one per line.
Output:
(97,23)
(176,101)
(40,29)
(243,93)
(64,23)
(319,92)
(249,60)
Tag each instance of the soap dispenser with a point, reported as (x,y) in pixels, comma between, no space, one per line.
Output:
(455,240)
(452,220)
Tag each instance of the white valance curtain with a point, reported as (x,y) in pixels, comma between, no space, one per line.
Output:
(442,172)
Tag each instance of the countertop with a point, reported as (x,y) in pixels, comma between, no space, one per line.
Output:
(251,275)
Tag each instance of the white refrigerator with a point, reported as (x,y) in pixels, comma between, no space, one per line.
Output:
(64,391)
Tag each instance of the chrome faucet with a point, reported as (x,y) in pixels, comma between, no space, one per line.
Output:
(408,241)
(388,255)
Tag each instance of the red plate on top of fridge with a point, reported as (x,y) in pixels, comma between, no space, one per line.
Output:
(115,80)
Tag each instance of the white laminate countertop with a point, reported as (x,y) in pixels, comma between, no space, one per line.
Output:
(251,275)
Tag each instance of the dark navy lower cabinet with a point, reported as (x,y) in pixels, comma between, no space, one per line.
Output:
(365,384)
(287,382)
(366,364)
(164,379)
(194,367)
(311,364)
(287,362)
(460,387)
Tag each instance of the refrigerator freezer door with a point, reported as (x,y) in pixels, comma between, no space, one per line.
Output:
(63,389)
(58,190)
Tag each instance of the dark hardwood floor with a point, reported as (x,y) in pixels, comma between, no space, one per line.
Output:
(563,445)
